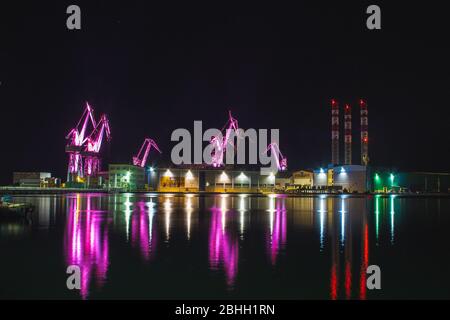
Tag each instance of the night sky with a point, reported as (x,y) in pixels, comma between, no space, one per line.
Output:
(154,68)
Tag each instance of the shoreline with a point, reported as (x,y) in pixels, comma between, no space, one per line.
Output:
(61,191)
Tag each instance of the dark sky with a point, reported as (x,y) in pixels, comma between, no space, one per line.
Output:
(154,68)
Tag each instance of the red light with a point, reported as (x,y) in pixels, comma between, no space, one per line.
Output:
(365,139)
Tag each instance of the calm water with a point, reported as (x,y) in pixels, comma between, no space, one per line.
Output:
(169,246)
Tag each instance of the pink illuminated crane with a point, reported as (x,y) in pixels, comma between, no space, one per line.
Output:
(77,134)
(94,143)
(276,153)
(77,140)
(94,140)
(220,143)
(84,145)
(141,158)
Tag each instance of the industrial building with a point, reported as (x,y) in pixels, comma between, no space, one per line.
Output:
(389,180)
(351,178)
(214,180)
(302,178)
(342,178)
(126,177)
(35,179)
(323,177)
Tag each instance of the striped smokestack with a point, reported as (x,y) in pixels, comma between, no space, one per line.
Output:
(347,134)
(364,133)
(334,132)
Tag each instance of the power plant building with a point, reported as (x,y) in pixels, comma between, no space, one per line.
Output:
(351,178)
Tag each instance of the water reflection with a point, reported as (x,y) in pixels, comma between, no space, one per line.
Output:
(336,237)
(243,208)
(322,220)
(167,213)
(353,225)
(142,231)
(87,241)
(343,215)
(278,226)
(14,230)
(392,214)
(127,211)
(377,217)
(364,260)
(223,249)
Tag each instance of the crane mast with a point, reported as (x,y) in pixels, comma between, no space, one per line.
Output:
(279,158)
(84,148)
(141,158)
(221,144)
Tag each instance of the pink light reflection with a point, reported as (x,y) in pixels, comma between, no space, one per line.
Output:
(86,242)
(143,233)
(222,249)
(277,239)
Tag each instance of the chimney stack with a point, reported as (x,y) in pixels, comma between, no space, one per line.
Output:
(364,133)
(347,134)
(334,132)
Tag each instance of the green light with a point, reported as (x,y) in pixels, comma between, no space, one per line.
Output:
(377,213)
(392,179)
(377,182)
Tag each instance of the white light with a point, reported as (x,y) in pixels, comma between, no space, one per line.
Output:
(223,177)
(322,174)
(189,175)
(168,173)
(242,176)
(342,170)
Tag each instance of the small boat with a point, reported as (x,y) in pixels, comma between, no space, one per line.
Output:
(10,210)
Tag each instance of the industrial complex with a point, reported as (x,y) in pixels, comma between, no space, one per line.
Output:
(84,170)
